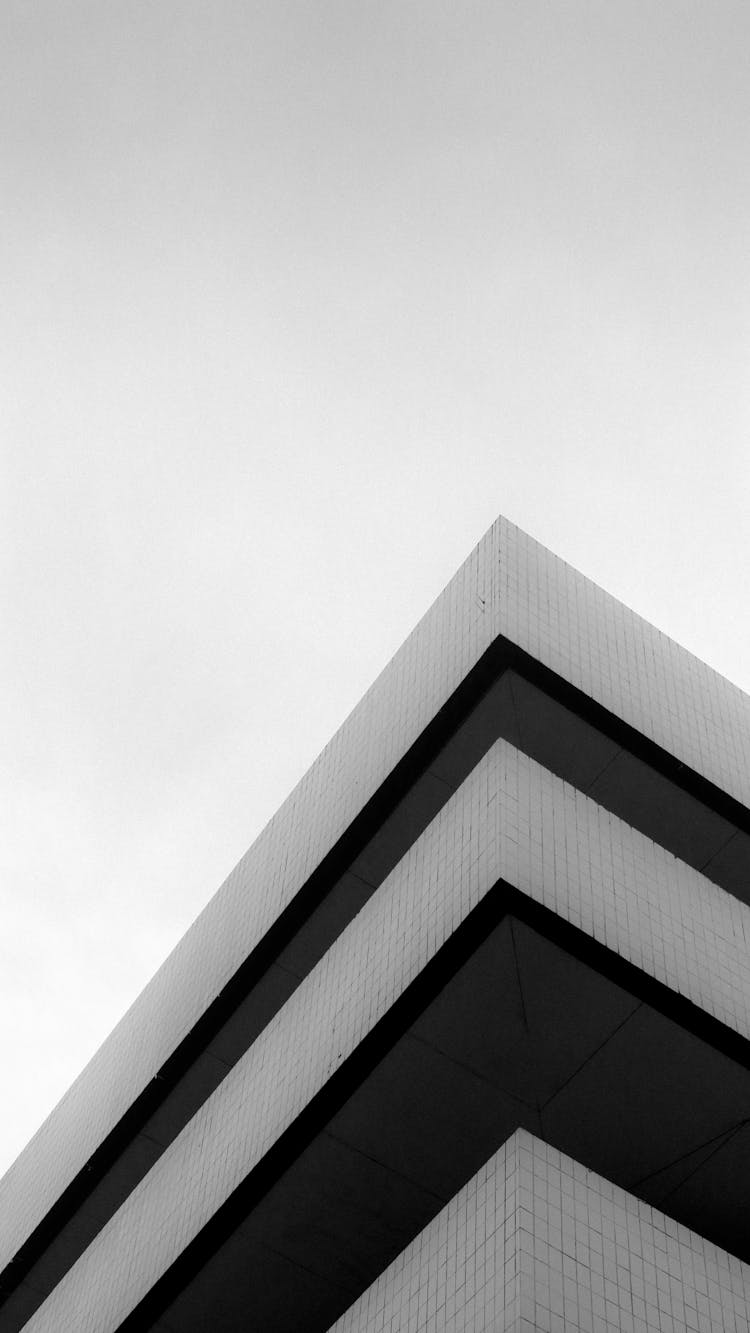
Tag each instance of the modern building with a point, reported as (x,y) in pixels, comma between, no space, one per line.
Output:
(463,1042)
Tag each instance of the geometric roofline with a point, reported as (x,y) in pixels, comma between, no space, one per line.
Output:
(688,720)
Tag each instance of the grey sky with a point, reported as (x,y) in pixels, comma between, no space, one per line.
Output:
(297,297)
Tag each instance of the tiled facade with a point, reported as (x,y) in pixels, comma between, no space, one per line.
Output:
(509,585)
(536,1242)
(511,820)
(533,1241)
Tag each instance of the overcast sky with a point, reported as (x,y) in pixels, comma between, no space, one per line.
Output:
(296,298)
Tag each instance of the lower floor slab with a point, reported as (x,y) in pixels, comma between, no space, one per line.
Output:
(512,1031)
(535,1241)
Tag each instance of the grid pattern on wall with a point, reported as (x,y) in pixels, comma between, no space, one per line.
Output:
(537,1242)
(510,586)
(511,820)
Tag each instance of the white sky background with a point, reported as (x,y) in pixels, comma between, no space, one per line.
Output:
(296,298)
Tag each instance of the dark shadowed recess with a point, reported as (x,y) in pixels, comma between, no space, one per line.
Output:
(520,1020)
(506,695)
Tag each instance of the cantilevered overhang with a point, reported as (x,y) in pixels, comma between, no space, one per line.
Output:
(523,702)
(506,695)
(535,1029)
(518,646)
(510,590)
(505,830)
